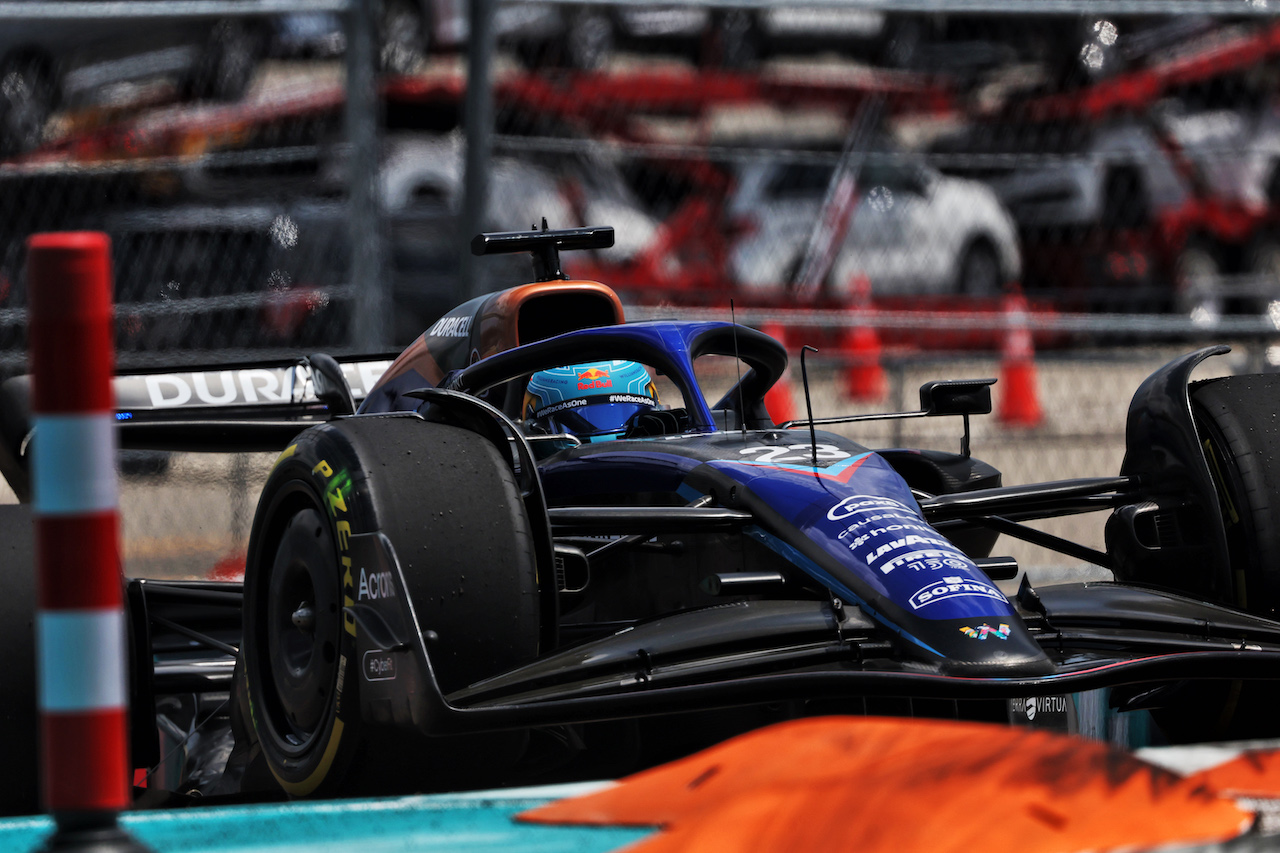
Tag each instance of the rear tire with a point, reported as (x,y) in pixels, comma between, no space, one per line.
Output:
(449,505)
(20,782)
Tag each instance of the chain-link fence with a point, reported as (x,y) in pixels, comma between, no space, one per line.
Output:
(1116,157)
(954,177)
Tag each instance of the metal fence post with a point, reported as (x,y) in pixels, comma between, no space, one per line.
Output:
(370,326)
(479,129)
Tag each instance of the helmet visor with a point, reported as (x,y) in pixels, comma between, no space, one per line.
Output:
(596,418)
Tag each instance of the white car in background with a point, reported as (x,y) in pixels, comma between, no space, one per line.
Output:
(913,231)
(569,190)
(233,231)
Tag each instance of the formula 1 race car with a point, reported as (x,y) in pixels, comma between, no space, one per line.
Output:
(538,551)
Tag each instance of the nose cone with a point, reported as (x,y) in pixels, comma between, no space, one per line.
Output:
(988,648)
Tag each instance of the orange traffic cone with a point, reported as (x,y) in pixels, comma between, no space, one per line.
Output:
(778,399)
(1020,400)
(864,377)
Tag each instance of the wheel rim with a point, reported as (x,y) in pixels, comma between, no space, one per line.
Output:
(301,623)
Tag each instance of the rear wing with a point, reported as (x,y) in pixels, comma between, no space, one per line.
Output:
(219,409)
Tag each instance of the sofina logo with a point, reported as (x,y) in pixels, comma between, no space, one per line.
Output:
(594,377)
(984,630)
(952,587)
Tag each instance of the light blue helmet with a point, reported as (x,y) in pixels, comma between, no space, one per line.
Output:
(593,401)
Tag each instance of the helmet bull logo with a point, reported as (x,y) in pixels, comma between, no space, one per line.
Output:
(594,377)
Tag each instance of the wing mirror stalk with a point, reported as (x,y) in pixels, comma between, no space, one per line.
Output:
(962,397)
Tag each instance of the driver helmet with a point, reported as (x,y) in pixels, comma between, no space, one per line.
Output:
(593,401)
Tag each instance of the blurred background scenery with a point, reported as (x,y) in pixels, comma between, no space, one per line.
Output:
(1057,194)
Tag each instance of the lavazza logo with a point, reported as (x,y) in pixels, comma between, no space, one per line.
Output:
(375,585)
(886,535)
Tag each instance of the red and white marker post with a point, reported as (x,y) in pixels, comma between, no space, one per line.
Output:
(81,646)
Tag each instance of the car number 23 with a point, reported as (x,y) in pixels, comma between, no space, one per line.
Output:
(795,453)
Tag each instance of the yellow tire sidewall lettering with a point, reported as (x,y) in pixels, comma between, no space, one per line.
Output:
(335,504)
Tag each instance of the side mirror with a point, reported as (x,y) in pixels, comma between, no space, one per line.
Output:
(956,397)
(330,385)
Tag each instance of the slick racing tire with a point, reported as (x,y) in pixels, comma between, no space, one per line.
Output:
(449,506)
(1235,420)
(1235,416)
(19,783)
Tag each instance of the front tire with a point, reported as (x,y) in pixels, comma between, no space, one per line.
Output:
(1235,416)
(1235,419)
(449,506)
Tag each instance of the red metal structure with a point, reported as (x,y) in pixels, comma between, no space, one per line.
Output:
(1154,253)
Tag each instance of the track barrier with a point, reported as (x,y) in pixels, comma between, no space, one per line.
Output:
(1019,392)
(81,645)
(864,378)
(779,400)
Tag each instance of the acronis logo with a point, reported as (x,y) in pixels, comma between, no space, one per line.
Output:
(594,377)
